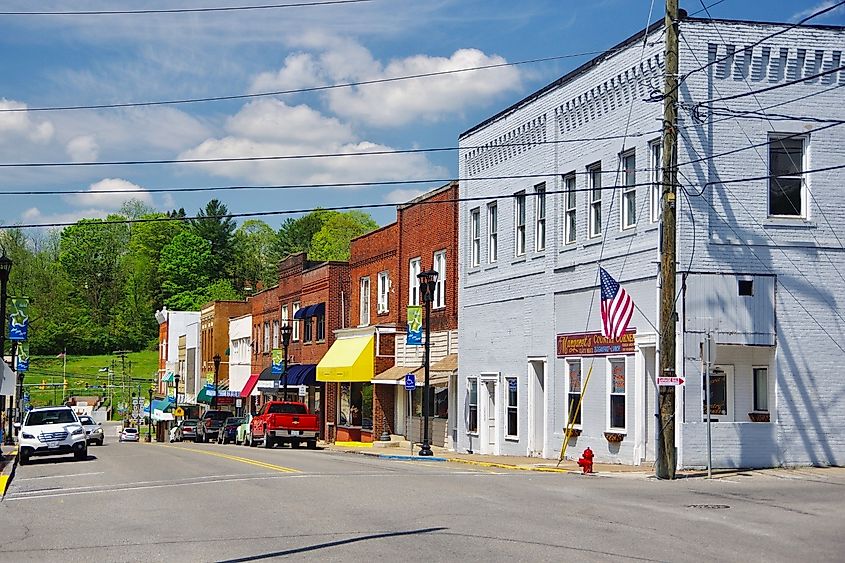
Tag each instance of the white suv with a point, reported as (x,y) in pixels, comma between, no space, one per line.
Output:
(52,431)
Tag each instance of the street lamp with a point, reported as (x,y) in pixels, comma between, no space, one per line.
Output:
(428,283)
(176,394)
(216,360)
(287,330)
(150,419)
(5,269)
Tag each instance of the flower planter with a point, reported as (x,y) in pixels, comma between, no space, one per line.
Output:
(572,432)
(614,437)
(759,416)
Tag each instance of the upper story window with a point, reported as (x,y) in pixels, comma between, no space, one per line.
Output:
(474,237)
(307,330)
(570,218)
(629,190)
(440,289)
(285,318)
(383,292)
(492,232)
(364,302)
(275,334)
(787,188)
(656,172)
(321,328)
(295,327)
(594,178)
(266,337)
(413,281)
(519,223)
(540,222)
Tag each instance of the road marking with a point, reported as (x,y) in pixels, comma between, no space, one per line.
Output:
(58,476)
(246,460)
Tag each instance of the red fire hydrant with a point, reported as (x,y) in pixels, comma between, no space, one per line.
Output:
(586,461)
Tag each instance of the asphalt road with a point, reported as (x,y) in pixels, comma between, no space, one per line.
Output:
(204,502)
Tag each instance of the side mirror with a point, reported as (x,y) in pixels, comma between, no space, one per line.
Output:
(17,426)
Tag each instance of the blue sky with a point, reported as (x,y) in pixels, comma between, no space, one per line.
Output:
(83,60)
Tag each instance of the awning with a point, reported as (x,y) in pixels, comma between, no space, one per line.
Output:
(161,405)
(167,377)
(302,374)
(203,396)
(250,385)
(441,371)
(316,310)
(396,375)
(349,359)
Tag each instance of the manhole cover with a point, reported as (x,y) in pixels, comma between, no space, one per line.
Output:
(708,506)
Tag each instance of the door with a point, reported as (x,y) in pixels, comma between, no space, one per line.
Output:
(721,394)
(488,438)
(536,407)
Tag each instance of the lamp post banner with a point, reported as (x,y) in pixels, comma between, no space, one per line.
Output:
(19,318)
(23,356)
(276,367)
(415,326)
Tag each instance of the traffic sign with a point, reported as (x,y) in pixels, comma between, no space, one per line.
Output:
(179,411)
(410,382)
(671,381)
(303,390)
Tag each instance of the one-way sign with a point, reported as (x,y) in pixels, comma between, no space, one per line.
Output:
(674,381)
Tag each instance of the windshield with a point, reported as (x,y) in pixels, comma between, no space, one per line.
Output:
(189,423)
(58,416)
(217,415)
(287,408)
(234,420)
(87,420)
(131,430)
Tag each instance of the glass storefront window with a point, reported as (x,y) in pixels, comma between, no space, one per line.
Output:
(356,405)
(438,402)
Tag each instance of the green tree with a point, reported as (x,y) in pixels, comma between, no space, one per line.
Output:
(185,264)
(193,300)
(255,257)
(332,240)
(213,225)
(296,235)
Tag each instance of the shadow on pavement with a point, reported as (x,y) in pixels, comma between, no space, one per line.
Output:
(335,543)
(55,460)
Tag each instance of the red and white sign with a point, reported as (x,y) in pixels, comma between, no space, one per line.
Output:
(674,381)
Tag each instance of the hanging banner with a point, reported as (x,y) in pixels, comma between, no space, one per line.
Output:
(414,337)
(278,356)
(19,318)
(23,356)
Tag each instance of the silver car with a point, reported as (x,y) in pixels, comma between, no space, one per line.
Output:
(93,430)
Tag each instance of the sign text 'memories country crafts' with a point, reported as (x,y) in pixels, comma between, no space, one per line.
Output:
(594,344)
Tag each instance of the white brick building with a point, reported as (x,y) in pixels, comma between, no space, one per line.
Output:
(760,263)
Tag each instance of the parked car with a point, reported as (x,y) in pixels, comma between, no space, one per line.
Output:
(51,431)
(209,425)
(129,435)
(185,430)
(243,430)
(281,422)
(93,430)
(229,430)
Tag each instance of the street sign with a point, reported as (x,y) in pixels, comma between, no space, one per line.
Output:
(179,411)
(410,382)
(303,390)
(673,381)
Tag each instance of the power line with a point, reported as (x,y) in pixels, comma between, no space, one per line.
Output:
(184,10)
(770,88)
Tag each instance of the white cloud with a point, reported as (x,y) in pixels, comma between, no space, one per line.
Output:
(34,215)
(17,125)
(391,103)
(95,198)
(817,8)
(402,195)
(83,149)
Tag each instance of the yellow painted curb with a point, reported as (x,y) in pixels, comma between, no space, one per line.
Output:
(354,444)
(509,466)
(4,484)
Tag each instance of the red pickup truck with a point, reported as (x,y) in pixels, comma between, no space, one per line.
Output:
(280,422)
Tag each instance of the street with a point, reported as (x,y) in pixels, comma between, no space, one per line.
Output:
(205,502)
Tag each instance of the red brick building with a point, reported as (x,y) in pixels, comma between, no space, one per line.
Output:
(214,341)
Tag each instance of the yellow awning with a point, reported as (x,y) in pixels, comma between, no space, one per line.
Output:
(349,359)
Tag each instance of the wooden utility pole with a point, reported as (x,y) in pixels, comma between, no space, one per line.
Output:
(666,455)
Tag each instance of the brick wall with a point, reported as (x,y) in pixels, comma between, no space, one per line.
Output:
(264,307)
(377,251)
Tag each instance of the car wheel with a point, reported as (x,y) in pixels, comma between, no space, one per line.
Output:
(100,442)
(312,444)
(268,440)
(81,456)
(24,459)
(294,444)
(200,439)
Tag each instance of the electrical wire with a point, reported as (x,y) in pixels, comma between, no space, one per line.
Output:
(183,10)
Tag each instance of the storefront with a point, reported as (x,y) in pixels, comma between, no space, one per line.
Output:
(349,364)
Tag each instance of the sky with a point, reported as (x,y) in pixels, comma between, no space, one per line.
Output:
(72,60)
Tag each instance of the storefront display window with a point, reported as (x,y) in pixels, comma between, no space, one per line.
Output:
(356,405)
(574,395)
(617,394)
(472,420)
(438,401)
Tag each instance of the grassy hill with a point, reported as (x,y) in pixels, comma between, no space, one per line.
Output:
(89,375)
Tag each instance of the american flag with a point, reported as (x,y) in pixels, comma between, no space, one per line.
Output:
(617,307)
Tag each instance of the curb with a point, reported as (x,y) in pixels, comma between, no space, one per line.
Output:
(511,466)
(8,471)
(411,457)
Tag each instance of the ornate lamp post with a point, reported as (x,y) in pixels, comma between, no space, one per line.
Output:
(428,283)
(150,419)
(5,270)
(216,360)
(176,394)
(286,332)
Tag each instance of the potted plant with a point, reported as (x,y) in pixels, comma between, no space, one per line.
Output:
(571,432)
(759,416)
(614,437)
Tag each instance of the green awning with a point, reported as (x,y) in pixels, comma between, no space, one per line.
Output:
(204,397)
(167,377)
(162,406)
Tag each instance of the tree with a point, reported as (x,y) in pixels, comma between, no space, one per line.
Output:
(296,235)
(255,257)
(332,240)
(193,300)
(213,225)
(185,264)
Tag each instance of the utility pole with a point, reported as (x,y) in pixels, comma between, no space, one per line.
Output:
(666,455)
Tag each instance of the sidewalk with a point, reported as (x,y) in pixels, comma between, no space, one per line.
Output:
(8,461)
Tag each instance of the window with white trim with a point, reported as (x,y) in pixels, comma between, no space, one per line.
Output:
(493,232)
(475,237)
(616,398)
(266,336)
(413,281)
(540,218)
(594,178)
(440,287)
(629,190)
(285,318)
(573,395)
(383,292)
(512,427)
(295,326)
(655,150)
(787,187)
(519,223)
(364,301)
(761,389)
(472,404)
(307,330)
(321,327)
(275,334)
(570,218)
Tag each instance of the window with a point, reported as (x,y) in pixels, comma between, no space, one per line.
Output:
(266,337)
(569,220)
(718,393)
(356,405)
(513,407)
(364,302)
(745,287)
(295,328)
(594,177)
(321,328)
(472,415)
(440,288)
(475,237)
(540,212)
(275,334)
(520,223)
(285,318)
(383,289)
(438,402)
(617,394)
(573,397)
(629,190)
(414,282)
(656,171)
(761,389)
(492,232)
(307,330)
(787,196)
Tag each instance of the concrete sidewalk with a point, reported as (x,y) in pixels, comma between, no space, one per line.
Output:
(8,463)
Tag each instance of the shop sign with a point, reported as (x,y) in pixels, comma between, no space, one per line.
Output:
(23,356)
(278,356)
(414,334)
(19,318)
(594,344)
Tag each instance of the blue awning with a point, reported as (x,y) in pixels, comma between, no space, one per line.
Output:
(319,310)
(316,310)
(302,374)
(159,405)
(300,313)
